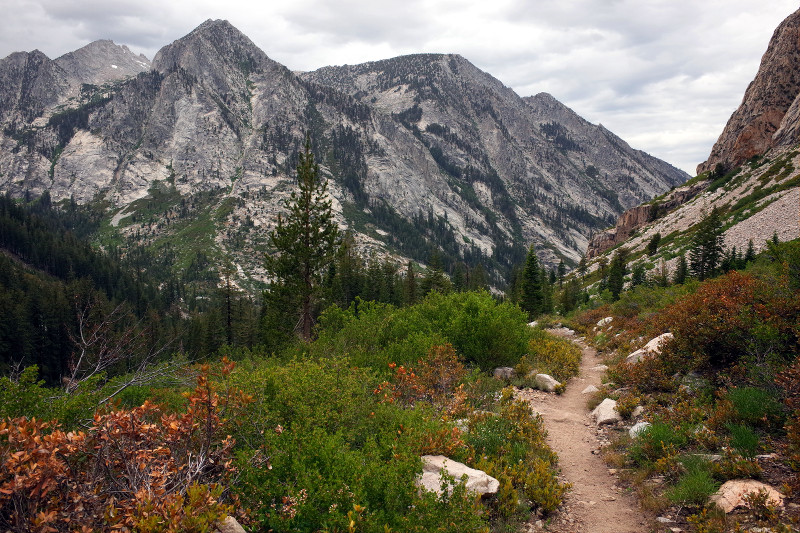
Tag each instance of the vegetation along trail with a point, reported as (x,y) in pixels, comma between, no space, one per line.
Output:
(595,504)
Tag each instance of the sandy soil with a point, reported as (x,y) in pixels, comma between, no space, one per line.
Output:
(596,504)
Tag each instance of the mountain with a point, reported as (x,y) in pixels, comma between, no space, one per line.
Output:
(752,176)
(769,114)
(422,153)
(101,62)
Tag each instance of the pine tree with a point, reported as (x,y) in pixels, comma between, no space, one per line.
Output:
(532,298)
(410,285)
(706,252)
(681,271)
(617,271)
(305,240)
(652,246)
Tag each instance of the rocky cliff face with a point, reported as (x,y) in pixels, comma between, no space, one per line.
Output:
(769,113)
(636,218)
(421,152)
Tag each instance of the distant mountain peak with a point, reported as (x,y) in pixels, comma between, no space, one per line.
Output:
(102,61)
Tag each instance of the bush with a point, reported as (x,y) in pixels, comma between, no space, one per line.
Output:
(656,441)
(753,406)
(744,440)
(133,469)
(696,485)
(510,446)
(558,357)
(483,332)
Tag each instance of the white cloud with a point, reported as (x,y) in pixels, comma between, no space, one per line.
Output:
(665,75)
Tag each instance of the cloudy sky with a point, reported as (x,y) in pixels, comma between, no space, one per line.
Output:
(665,75)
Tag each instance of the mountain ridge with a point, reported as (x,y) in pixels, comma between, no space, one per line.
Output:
(424,145)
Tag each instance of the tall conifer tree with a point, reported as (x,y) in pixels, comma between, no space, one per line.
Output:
(305,240)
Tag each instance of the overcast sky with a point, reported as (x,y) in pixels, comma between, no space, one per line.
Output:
(665,75)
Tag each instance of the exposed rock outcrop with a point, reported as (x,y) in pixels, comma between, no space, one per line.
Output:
(768,115)
(637,217)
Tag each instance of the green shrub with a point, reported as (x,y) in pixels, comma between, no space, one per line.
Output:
(744,440)
(484,333)
(656,441)
(755,406)
(556,356)
(696,485)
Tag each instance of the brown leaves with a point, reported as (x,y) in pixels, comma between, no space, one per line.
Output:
(135,469)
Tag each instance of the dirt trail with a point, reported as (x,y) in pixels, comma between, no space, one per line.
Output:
(595,504)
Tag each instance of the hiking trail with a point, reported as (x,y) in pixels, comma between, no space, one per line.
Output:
(596,503)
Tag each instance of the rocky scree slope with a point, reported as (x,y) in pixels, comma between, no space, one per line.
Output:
(421,152)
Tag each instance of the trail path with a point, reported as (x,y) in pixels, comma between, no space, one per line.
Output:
(595,504)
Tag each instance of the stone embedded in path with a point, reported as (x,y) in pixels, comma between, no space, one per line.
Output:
(504,372)
(477,481)
(638,428)
(731,494)
(599,368)
(590,389)
(606,412)
(651,348)
(546,382)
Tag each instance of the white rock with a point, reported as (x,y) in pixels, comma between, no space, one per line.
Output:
(653,347)
(606,412)
(477,481)
(546,382)
(230,525)
(533,324)
(590,389)
(731,494)
(504,372)
(638,411)
(604,321)
(638,428)
(599,368)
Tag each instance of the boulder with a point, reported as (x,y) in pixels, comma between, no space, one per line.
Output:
(477,481)
(533,324)
(606,412)
(230,525)
(638,428)
(731,494)
(599,368)
(546,382)
(653,347)
(504,372)
(590,389)
(604,321)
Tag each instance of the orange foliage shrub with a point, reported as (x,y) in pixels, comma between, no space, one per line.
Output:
(133,470)
(435,380)
(730,319)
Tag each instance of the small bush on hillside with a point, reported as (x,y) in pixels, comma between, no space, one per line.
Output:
(753,406)
(548,354)
(657,441)
(696,482)
(510,446)
(744,440)
(734,319)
